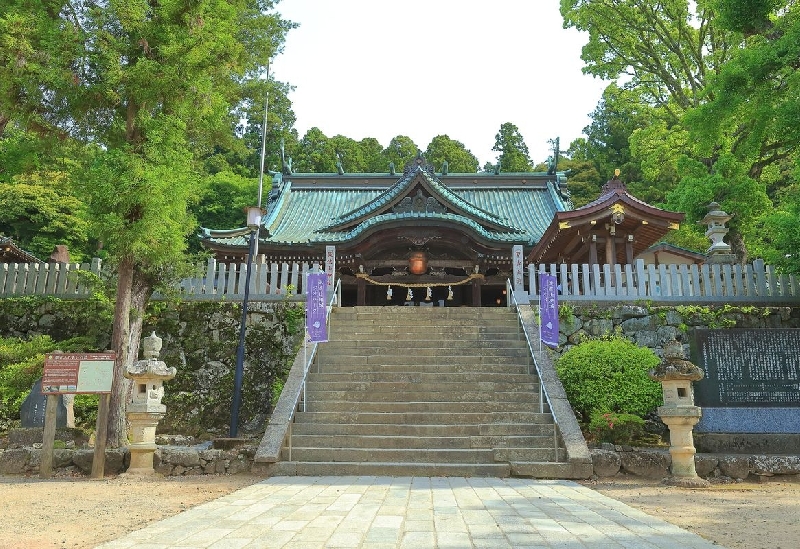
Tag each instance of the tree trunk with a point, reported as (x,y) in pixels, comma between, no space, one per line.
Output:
(120,344)
(140,295)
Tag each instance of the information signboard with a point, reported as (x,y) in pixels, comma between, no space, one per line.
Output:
(747,368)
(72,373)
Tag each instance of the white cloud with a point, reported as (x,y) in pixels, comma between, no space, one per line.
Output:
(379,68)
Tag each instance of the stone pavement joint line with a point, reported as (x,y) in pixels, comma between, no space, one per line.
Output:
(411,513)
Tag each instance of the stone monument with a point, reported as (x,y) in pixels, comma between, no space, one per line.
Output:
(679,413)
(145,410)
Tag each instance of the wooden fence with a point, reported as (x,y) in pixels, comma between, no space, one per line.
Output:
(215,280)
(706,283)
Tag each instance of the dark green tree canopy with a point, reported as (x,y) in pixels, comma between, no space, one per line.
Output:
(442,149)
(514,156)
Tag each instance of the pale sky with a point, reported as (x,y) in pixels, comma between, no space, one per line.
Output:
(421,68)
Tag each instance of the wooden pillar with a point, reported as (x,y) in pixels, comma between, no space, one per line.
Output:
(476,292)
(610,259)
(629,249)
(593,250)
(361,292)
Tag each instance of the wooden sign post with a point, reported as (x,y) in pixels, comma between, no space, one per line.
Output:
(76,373)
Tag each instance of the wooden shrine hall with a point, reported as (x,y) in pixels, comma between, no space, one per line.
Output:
(437,238)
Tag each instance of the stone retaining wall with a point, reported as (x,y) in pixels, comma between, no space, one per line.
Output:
(651,326)
(168,461)
(608,461)
(611,460)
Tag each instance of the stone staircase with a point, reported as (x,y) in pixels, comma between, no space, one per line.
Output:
(423,391)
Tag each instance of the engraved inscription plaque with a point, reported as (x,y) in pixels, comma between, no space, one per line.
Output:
(747,368)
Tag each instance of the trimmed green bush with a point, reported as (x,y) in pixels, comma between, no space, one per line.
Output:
(616,428)
(609,375)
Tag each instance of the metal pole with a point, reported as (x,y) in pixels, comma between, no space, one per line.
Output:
(239,373)
(263,155)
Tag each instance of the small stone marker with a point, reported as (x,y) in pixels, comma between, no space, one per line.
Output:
(33,409)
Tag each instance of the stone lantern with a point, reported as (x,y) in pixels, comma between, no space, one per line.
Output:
(715,219)
(145,410)
(679,413)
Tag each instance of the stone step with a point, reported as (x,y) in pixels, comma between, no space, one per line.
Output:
(423,418)
(382,441)
(425,339)
(495,431)
(389,430)
(377,439)
(517,429)
(530,454)
(439,363)
(460,391)
(443,313)
(501,380)
(551,470)
(345,331)
(404,407)
(329,468)
(378,455)
(418,353)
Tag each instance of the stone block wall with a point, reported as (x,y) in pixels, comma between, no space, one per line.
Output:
(653,325)
(168,461)
(611,460)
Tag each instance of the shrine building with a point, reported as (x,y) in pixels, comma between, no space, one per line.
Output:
(428,237)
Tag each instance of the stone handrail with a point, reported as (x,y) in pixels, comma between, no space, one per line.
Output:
(293,393)
(552,390)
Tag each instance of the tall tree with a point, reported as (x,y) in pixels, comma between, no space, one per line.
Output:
(315,153)
(442,149)
(663,49)
(752,108)
(514,156)
(151,85)
(374,160)
(752,113)
(400,151)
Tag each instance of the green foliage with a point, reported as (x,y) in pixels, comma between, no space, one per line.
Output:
(223,198)
(664,49)
(401,150)
(609,375)
(616,428)
(729,185)
(20,366)
(514,156)
(39,210)
(85,407)
(459,159)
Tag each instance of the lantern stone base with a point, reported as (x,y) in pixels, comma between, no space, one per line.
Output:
(681,420)
(143,441)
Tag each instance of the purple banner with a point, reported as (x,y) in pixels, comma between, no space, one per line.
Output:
(316,307)
(548,309)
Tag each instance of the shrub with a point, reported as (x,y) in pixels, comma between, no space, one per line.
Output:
(609,375)
(21,363)
(616,428)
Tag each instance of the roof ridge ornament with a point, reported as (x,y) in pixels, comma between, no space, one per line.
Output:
(614,184)
(418,163)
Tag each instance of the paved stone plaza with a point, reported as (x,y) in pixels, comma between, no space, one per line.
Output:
(419,513)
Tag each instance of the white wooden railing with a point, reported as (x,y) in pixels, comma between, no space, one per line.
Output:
(755,282)
(704,283)
(218,281)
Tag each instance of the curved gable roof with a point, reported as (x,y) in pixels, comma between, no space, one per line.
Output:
(418,176)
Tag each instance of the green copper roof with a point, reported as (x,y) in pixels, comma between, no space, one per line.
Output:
(331,208)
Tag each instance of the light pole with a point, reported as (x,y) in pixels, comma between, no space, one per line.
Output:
(253,223)
(254,214)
